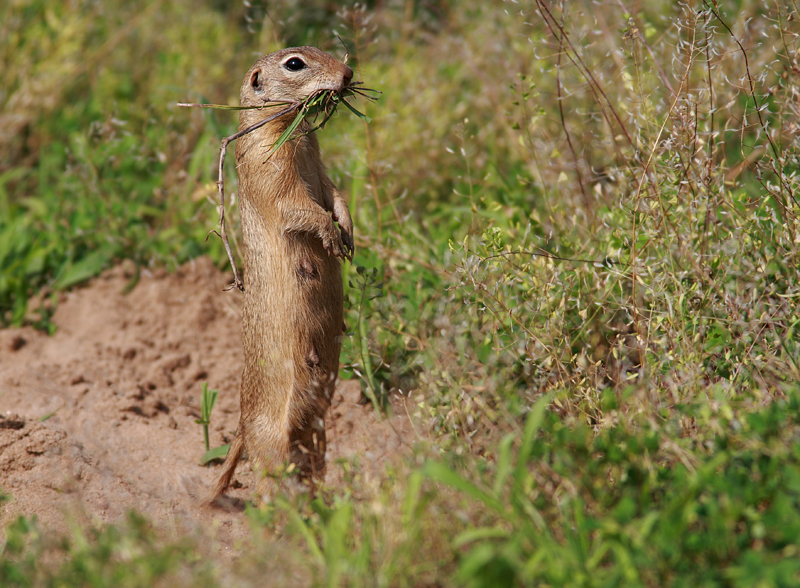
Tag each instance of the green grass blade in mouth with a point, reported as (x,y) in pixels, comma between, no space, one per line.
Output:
(360,115)
(225,107)
(326,101)
(287,134)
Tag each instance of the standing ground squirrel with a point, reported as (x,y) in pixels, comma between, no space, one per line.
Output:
(292,317)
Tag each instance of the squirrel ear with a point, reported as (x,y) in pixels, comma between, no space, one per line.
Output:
(255,81)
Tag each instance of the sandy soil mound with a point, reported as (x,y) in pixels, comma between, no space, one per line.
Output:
(120,382)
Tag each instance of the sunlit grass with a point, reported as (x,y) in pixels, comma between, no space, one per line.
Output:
(573,204)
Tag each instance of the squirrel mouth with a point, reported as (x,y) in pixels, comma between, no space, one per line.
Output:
(331,87)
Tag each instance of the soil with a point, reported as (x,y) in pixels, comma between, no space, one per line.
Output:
(99,418)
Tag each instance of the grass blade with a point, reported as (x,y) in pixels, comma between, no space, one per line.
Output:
(360,115)
(478,535)
(442,473)
(287,134)
(303,529)
(503,463)
(532,425)
(225,107)
(86,268)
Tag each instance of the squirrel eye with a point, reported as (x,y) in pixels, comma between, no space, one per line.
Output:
(294,64)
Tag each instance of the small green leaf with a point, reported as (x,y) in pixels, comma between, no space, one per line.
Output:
(216,453)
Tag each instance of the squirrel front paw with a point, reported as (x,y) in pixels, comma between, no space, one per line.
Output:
(347,240)
(333,244)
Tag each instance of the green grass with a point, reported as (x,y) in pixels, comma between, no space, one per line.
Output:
(593,300)
(129,554)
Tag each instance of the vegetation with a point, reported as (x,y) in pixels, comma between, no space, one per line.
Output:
(585,223)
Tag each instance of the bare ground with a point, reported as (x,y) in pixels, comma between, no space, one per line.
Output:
(118,387)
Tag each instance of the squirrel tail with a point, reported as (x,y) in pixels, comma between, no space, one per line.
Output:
(228,468)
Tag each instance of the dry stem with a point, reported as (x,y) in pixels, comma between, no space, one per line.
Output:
(237,281)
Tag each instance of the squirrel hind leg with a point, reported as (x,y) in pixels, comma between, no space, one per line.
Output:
(308,445)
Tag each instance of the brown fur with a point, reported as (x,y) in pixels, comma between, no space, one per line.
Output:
(293,300)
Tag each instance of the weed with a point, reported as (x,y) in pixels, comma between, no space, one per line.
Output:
(368,288)
(207,400)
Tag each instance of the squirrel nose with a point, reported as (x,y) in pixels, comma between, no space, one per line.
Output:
(347,75)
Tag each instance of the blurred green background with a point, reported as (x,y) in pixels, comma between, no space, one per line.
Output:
(578,223)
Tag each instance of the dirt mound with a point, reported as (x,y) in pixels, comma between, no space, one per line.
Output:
(99,418)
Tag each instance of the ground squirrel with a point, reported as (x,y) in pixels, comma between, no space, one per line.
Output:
(292,318)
